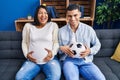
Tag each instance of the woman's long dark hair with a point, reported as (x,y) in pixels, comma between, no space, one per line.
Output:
(36,21)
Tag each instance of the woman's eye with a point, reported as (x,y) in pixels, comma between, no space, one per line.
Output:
(42,12)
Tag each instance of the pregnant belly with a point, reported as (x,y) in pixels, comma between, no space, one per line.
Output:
(39,55)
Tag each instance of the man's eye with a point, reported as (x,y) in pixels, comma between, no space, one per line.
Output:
(75,15)
(68,15)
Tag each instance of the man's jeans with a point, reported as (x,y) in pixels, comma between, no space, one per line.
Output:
(29,70)
(73,67)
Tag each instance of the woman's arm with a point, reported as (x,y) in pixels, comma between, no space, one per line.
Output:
(25,39)
(55,40)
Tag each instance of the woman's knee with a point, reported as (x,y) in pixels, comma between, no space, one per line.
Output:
(52,70)
(54,64)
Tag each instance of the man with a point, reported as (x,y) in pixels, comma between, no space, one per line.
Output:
(75,31)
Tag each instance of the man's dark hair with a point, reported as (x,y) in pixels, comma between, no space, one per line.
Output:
(73,7)
(36,21)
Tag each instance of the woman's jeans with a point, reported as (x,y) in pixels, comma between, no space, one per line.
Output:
(29,70)
(73,67)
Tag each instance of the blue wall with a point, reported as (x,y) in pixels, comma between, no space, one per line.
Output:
(10,10)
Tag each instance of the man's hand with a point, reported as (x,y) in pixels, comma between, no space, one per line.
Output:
(49,55)
(67,50)
(86,52)
(29,56)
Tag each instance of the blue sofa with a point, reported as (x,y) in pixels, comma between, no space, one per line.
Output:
(11,56)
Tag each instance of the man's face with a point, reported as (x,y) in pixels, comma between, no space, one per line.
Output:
(73,17)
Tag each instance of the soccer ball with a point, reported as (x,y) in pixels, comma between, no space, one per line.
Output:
(77,48)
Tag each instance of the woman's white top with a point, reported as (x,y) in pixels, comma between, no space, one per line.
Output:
(37,39)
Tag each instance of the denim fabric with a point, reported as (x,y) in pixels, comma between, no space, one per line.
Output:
(29,70)
(82,11)
(72,67)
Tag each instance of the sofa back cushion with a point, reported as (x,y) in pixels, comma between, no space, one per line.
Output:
(10,45)
(109,39)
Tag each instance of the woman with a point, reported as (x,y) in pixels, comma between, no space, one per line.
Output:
(40,45)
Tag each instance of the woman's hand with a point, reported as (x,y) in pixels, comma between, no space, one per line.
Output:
(67,50)
(49,55)
(29,56)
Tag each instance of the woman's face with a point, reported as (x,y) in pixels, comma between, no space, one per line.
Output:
(42,16)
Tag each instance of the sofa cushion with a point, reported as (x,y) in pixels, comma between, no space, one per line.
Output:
(109,39)
(109,67)
(9,67)
(10,42)
(116,55)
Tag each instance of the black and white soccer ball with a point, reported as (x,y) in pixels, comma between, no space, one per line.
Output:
(77,48)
